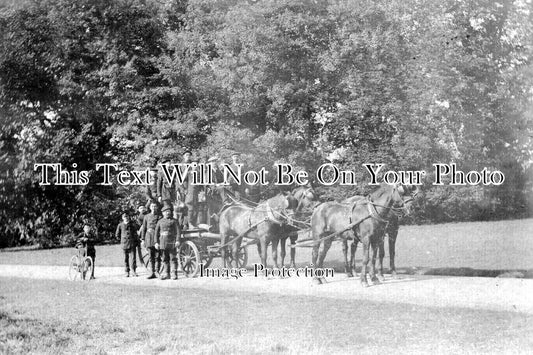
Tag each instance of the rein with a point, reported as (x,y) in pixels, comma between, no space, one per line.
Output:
(374,213)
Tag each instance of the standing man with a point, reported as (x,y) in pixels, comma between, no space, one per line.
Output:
(191,198)
(149,240)
(151,189)
(215,195)
(218,180)
(236,188)
(182,209)
(167,236)
(141,210)
(127,233)
(86,239)
(166,193)
(189,192)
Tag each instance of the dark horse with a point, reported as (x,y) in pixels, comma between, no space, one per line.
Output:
(262,223)
(367,219)
(391,231)
(306,200)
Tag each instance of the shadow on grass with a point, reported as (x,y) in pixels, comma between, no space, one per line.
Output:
(338,266)
(468,272)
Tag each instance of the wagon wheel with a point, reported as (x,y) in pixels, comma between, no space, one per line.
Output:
(73,268)
(190,258)
(87,269)
(242,257)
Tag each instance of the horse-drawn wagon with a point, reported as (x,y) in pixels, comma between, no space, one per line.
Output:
(236,222)
(199,246)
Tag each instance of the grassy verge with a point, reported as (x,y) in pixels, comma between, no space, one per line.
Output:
(62,317)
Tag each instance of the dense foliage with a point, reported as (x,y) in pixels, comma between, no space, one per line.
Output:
(405,83)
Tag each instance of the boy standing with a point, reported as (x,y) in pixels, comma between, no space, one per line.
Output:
(128,236)
(86,239)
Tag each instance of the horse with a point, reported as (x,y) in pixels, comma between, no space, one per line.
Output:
(367,219)
(262,223)
(306,199)
(391,231)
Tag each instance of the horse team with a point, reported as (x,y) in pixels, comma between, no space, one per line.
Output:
(361,219)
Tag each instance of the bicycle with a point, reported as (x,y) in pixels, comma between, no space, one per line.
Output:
(80,265)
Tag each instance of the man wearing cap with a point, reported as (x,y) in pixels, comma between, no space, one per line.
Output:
(216,195)
(166,193)
(151,190)
(235,187)
(218,178)
(167,237)
(187,156)
(127,233)
(189,192)
(86,239)
(148,238)
(182,189)
(191,198)
(141,209)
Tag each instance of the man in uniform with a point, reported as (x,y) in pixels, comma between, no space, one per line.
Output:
(189,192)
(180,211)
(148,238)
(167,237)
(236,188)
(127,233)
(166,193)
(141,209)
(151,190)
(218,180)
(187,156)
(86,240)
(216,194)
(191,198)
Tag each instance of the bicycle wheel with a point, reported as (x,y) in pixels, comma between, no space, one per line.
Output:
(87,269)
(73,268)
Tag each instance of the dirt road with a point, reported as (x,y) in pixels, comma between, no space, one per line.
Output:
(497,294)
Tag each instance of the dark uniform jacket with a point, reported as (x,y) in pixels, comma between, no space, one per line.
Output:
(148,229)
(151,191)
(165,191)
(218,176)
(236,188)
(217,192)
(128,234)
(139,219)
(190,190)
(167,232)
(87,241)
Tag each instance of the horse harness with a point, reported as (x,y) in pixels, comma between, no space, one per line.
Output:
(374,213)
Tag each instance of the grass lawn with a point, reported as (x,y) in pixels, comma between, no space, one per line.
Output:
(471,249)
(54,317)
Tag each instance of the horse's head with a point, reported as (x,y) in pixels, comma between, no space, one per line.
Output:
(395,199)
(305,198)
(282,206)
(403,197)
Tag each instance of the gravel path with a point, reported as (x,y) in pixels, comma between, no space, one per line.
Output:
(498,294)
